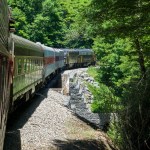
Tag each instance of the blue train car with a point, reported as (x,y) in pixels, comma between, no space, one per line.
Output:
(49,61)
(61,59)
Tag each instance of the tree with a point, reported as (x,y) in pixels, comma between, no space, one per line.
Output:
(76,33)
(115,24)
(24,12)
(48,27)
(41,21)
(122,19)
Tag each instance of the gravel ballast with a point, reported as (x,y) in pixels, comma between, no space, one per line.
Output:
(46,124)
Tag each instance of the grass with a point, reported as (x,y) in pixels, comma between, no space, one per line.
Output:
(81,136)
(93,72)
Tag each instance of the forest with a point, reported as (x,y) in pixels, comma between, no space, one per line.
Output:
(119,33)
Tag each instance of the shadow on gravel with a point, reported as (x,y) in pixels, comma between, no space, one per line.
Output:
(12,140)
(21,116)
(18,119)
(81,145)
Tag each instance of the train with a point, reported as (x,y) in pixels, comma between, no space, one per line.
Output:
(35,64)
(26,66)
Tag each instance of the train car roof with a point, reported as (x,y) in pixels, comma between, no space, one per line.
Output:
(61,51)
(24,47)
(88,50)
(76,49)
(85,51)
(44,47)
(57,50)
(68,50)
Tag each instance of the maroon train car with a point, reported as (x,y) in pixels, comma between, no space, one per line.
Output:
(5,68)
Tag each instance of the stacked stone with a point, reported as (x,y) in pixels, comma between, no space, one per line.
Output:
(81,99)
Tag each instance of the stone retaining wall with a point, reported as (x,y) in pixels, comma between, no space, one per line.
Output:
(81,99)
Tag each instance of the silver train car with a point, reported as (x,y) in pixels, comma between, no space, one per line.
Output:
(28,69)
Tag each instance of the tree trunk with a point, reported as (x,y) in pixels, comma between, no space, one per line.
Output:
(141,58)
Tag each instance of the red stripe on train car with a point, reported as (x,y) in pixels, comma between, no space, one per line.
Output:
(49,60)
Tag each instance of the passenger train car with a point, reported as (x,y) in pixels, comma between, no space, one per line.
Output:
(28,69)
(78,57)
(5,68)
(86,57)
(53,61)
(71,57)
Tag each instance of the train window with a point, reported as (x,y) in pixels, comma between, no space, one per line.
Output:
(19,66)
(29,65)
(34,64)
(35,61)
(41,62)
(25,66)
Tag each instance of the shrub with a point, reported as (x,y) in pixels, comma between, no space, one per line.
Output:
(104,99)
